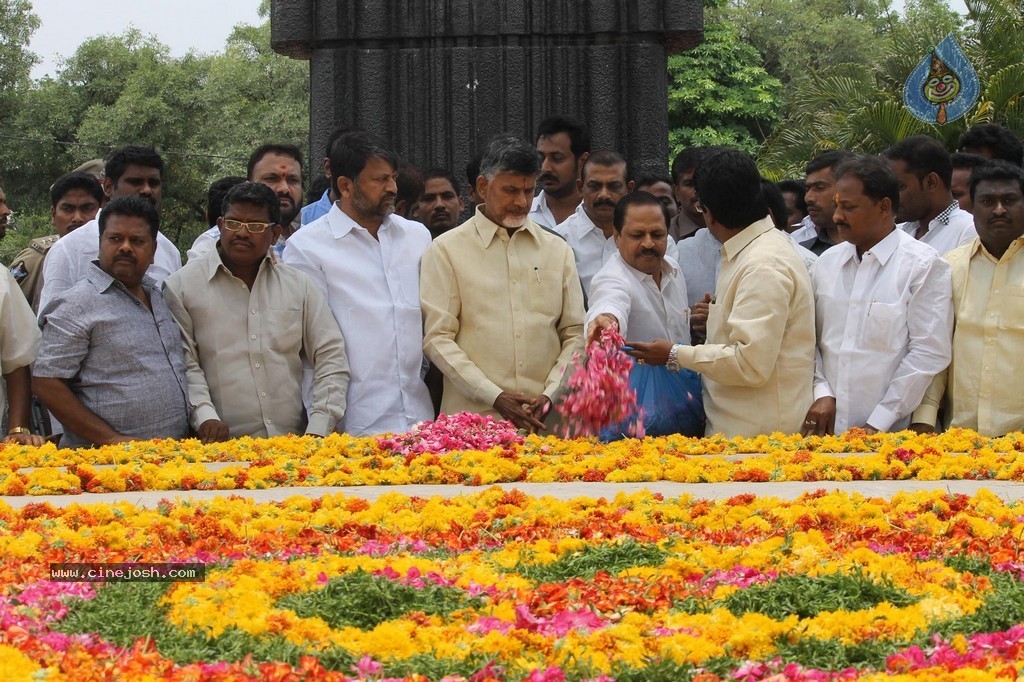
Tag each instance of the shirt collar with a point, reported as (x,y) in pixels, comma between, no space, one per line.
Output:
(488,229)
(883,250)
(739,241)
(342,224)
(584,224)
(103,281)
(214,263)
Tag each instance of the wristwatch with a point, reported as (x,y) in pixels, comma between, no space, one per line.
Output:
(672,364)
(14,431)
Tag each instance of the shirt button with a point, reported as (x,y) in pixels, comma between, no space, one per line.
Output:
(253,337)
(253,311)
(268,421)
(996,291)
(257,365)
(515,281)
(264,394)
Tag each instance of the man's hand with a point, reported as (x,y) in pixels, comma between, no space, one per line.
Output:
(522,410)
(921,427)
(120,438)
(213,431)
(821,418)
(869,430)
(699,316)
(602,321)
(652,353)
(25,439)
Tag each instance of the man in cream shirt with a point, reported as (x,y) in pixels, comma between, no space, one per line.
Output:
(502,303)
(758,361)
(981,389)
(882,308)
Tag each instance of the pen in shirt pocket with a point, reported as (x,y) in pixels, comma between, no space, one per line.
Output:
(536,271)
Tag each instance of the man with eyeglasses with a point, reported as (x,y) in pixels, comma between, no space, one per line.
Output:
(250,325)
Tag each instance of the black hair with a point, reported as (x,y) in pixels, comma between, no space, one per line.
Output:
(352,150)
(69,181)
(875,174)
(923,155)
(272,148)
(578,132)
(776,203)
(131,155)
(729,185)
(603,157)
(996,170)
(1003,144)
(636,199)
(649,179)
(215,196)
(688,160)
(965,160)
(506,153)
(335,134)
(799,189)
(255,193)
(829,159)
(434,173)
(410,184)
(132,206)
(473,169)
(317,187)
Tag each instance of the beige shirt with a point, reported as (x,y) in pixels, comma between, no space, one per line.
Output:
(758,362)
(245,350)
(980,390)
(501,313)
(19,331)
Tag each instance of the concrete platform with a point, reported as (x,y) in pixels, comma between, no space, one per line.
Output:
(1007,490)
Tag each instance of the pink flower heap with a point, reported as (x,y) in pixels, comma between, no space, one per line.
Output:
(599,395)
(450,432)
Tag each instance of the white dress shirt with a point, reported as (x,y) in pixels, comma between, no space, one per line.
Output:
(204,243)
(952,228)
(71,257)
(645,312)
(699,259)
(540,213)
(806,231)
(373,289)
(883,324)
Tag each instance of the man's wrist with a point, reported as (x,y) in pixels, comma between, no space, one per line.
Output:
(16,430)
(672,364)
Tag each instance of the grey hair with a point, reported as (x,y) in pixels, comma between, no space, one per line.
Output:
(506,153)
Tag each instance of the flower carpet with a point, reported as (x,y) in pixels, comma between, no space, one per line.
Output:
(497,585)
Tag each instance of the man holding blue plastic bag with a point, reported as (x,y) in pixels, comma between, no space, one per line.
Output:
(641,291)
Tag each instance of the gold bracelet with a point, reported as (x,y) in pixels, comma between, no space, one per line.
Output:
(18,430)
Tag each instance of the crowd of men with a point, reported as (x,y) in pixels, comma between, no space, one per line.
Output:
(878,292)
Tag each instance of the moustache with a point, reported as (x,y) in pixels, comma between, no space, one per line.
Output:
(546,176)
(604,202)
(129,259)
(646,252)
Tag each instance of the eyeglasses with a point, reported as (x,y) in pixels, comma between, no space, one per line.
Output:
(253,228)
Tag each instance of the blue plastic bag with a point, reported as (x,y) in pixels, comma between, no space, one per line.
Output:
(672,403)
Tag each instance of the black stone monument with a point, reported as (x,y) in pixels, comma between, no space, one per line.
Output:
(437,78)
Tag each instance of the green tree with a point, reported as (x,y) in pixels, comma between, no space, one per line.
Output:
(16,61)
(719,93)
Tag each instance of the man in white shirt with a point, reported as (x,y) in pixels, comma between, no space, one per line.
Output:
(367,261)
(928,211)
(563,144)
(640,290)
(130,170)
(590,230)
(883,310)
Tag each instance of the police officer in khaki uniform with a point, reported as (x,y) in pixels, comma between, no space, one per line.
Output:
(75,199)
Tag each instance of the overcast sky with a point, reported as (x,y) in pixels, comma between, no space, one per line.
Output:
(203,25)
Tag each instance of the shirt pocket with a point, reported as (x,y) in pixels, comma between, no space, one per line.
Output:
(546,292)
(284,330)
(885,326)
(1011,312)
